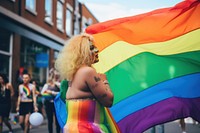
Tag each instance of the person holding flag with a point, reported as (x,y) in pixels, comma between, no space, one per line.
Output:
(88,94)
(26,103)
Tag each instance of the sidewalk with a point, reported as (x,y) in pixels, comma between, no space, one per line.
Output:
(17,128)
(171,127)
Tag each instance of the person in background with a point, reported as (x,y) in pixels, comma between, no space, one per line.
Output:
(26,103)
(19,76)
(39,98)
(88,91)
(182,125)
(160,128)
(49,91)
(54,75)
(6,93)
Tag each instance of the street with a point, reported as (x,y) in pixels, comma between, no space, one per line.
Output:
(171,127)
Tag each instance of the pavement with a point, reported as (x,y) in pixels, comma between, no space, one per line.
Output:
(171,127)
(174,127)
(34,129)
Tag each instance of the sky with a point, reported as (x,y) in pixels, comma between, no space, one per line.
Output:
(105,10)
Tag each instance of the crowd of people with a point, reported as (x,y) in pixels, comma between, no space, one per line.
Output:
(31,98)
(83,89)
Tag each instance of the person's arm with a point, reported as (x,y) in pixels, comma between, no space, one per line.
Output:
(34,98)
(100,87)
(11,89)
(44,89)
(18,99)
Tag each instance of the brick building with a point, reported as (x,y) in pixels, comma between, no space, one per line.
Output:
(33,31)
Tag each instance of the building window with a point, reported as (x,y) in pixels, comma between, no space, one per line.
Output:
(48,11)
(84,23)
(4,67)
(6,52)
(31,6)
(34,57)
(60,15)
(56,53)
(77,16)
(68,24)
(4,40)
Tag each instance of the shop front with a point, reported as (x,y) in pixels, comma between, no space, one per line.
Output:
(34,58)
(22,48)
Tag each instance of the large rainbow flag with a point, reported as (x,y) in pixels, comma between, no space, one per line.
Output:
(152,62)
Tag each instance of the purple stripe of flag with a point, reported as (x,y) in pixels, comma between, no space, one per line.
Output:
(161,112)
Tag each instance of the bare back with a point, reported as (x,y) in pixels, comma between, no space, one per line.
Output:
(78,88)
(88,84)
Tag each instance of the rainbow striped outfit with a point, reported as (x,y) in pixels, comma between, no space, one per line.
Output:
(88,116)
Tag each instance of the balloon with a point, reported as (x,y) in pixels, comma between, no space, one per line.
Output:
(36,119)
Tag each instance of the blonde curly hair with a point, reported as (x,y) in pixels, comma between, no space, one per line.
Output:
(75,53)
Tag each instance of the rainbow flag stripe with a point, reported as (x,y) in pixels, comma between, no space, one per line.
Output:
(88,116)
(151,61)
(26,90)
(47,95)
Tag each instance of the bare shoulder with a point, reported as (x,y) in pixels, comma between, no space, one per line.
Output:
(32,85)
(21,85)
(87,70)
